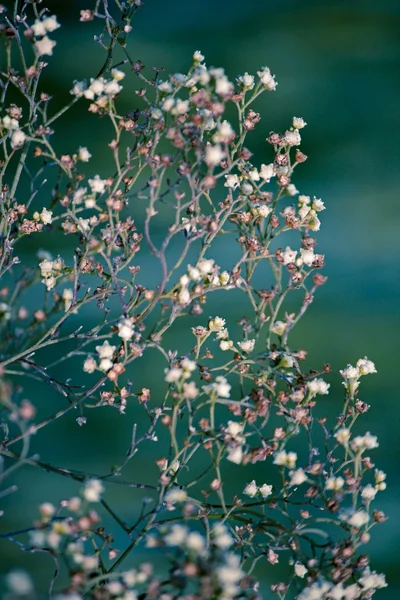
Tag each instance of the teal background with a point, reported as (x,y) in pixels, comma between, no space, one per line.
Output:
(337,64)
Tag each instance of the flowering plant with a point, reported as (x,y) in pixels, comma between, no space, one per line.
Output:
(174,157)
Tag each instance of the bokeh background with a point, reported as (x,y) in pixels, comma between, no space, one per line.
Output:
(337,64)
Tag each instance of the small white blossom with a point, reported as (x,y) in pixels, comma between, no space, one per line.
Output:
(117,74)
(205,266)
(267,80)
(299,123)
(89,366)
(358,519)
(226,345)
(232,181)
(224,133)
(45,46)
(286,459)
(300,569)
(173,375)
(292,138)
(247,345)
(93,490)
(369,493)
(267,172)
(19,582)
(216,324)
(318,386)
(364,442)
(288,255)
(46,216)
(125,329)
(176,535)
(97,184)
(84,154)
(18,138)
(372,580)
(105,350)
(334,483)
(279,327)
(246,81)
(251,489)
(297,477)
(176,496)
(198,56)
(342,436)
(235,455)
(214,155)
(265,490)
(365,366)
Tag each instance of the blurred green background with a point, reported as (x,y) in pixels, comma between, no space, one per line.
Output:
(337,64)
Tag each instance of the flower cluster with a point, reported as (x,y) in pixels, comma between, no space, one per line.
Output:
(178,177)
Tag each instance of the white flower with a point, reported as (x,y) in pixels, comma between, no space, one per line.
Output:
(83,224)
(220,387)
(18,138)
(205,266)
(262,211)
(176,536)
(265,490)
(221,536)
(173,375)
(195,542)
(317,205)
(46,216)
(364,442)
(365,366)
(105,365)
(188,365)
(117,74)
(84,154)
(68,295)
(223,86)
(112,88)
(286,361)
(184,297)
(247,345)
(97,184)
(39,28)
(286,459)
(45,46)
(226,345)
(318,386)
(9,123)
(246,81)
(267,172)
(235,455)
(334,483)
(267,80)
(232,181)
(299,123)
(279,327)
(288,255)
(214,155)
(351,376)
(216,324)
(297,477)
(198,56)
(251,489)
(380,477)
(224,133)
(89,366)
(234,429)
(175,496)
(316,591)
(300,569)
(307,257)
(343,435)
(190,390)
(224,278)
(105,350)
(93,490)
(358,519)
(369,493)
(19,582)
(181,107)
(125,329)
(194,273)
(372,580)
(292,138)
